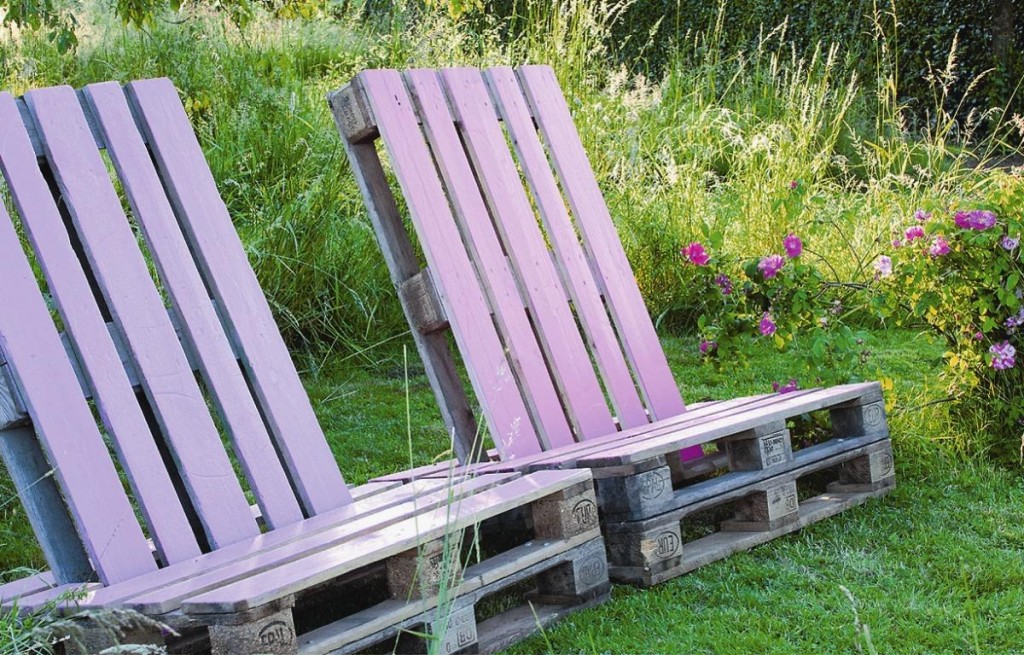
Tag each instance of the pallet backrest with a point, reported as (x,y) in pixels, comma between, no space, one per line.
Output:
(523,262)
(169,339)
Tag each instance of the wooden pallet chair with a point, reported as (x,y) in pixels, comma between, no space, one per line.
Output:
(518,257)
(137,438)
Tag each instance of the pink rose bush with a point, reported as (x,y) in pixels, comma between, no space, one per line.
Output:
(961,273)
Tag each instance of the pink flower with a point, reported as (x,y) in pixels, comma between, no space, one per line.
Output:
(1010,243)
(696,254)
(939,247)
(1003,356)
(883,266)
(913,232)
(771,265)
(978,219)
(724,283)
(707,347)
(793,245)
(922,216)
(767,325)
(896,243)
(788,387)
(794,184)
(978,336)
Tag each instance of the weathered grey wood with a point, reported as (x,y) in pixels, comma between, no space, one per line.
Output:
(766,509)
(12,407)
(760,447)
(37,490)
(433,348)
(720,545)
(420,296)
(638,495)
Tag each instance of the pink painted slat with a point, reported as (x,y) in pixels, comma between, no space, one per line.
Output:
(516,223)
(393,539)
(602,243)
(632,438)
(460,295)
(190,299)
(162,589)
(106,523)
(782,407)
(221,258)
(569,255)
(28,585)
(139,312)
(485,250)
(115,398)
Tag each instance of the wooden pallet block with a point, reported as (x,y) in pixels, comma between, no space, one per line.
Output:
(375,585)
(649,551)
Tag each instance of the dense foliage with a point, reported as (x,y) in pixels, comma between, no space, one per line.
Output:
(990,32)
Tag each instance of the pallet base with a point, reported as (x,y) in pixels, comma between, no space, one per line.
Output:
(721,544)
(652,550)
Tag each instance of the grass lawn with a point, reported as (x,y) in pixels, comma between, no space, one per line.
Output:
(935,567)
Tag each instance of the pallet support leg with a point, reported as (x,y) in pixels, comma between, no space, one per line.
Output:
(869,472)
(766,510)
(759,448)
(637,496)
(267,631)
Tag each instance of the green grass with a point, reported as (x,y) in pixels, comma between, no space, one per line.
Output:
(935,567)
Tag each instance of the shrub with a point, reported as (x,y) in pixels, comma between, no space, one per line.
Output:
(958,268)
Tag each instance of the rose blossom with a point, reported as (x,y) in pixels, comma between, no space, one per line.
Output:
(771,265)
(793,245)
(939,247)
(767,325)
(978,219)
(695,253)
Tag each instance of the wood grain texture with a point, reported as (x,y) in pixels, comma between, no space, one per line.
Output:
(138,310)
(575,270)
(36,486)
(530,258)
(433,349)
(286,579)
(12,408)
(461,295)
(93,346)
(73,445)
(221,258)
(603,247)
(200,324)
(488,260)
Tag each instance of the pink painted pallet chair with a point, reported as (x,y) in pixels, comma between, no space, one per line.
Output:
(161,420)
(520,260)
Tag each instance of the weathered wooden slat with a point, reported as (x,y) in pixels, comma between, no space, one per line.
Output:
(569,255)
(529,255)
(601,241)
(402,264)
(286,579)
(40,497)
(485,252)
(137,308)
(380,509)
(92,344)
(12,409)
(201,326)
(461,296)
(786,406)
(218,251)
(162,591)
(33,135)
(107,526)
(28,585)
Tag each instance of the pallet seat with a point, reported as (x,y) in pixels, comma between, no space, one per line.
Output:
(503,239)
(166,452)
